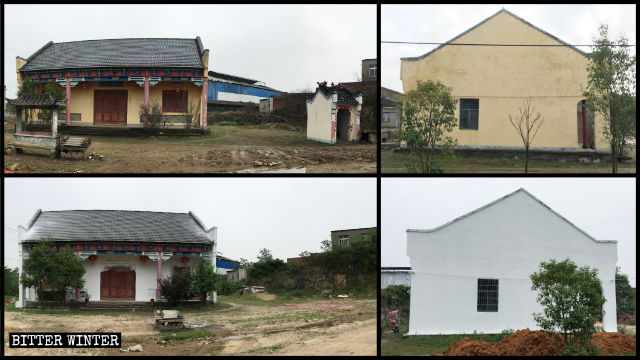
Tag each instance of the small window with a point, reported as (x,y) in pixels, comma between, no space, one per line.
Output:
(487,295)
(343,240)
(174,101)
(386,117)
(372,70)
(469,113)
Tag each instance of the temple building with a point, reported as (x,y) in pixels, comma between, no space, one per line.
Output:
(107,81)
(125,253)
(333,114)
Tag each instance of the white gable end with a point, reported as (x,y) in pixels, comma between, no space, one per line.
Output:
(505,240)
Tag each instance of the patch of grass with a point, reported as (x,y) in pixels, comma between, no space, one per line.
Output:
(395,345)
(214,349)
(392,162)
(266,349)
(189,334)
(233,123)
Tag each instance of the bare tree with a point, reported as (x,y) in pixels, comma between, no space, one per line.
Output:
(527,127)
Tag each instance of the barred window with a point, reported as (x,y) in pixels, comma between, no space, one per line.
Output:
(469,113)
(487,295)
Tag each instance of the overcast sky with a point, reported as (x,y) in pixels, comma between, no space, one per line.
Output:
(574,24)
(289,47)
(284,215)
(605,208)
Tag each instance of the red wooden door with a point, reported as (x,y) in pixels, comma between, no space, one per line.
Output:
(118,285)
(110,107)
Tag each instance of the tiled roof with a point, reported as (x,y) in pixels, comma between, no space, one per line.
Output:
(116,225)
(35,100)
(117,53)
(344,95)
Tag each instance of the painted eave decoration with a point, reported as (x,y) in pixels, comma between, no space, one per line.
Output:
(344,95)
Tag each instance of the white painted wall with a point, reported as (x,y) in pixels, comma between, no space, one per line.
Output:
(394,278)
(238,97)
(504,241)
(319,118)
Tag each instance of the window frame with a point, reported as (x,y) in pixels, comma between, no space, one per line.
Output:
(342,238)
(167,106)
(477,110)
(373,67)
(487,287)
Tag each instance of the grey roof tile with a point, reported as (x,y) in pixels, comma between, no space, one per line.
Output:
(35,100)
(156,52)
(116,225)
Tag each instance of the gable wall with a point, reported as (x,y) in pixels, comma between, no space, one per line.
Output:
(505,241)
(502,77)
(319,119)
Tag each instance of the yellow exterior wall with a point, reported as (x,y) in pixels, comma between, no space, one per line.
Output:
(82,99)
(503,77)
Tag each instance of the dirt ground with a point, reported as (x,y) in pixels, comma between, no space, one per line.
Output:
(537,343)
(203,155)
(321,327)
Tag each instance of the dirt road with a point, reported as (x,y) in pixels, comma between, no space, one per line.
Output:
(204,155)
(326,327)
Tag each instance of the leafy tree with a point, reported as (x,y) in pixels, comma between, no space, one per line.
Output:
(67,270)
(204,279)
(267,268)
(625,299)
(326,245)
(11,281)
(265,255)
(58,94)
(244,263)
(611,84)
(358,261)
(27,87)
(176,286)
(572,299)
(45,265)
(428,117)
(527,127)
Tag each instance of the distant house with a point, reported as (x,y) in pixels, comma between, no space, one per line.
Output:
(125,253)
(230,92)
(370,70)
(391,108)
(333,114)
(224,265)
(493,82)
(395,276)
(106,81)
(342,237)
(473,273)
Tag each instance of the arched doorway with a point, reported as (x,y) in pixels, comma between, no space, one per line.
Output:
(342,129)
(586,131)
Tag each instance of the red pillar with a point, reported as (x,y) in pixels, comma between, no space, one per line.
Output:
(68,119)
(77,289)
(585,130)
(146,95)
(205,89)
(159,275)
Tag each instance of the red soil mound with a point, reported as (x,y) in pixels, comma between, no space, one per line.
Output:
(610,343)
(537,343)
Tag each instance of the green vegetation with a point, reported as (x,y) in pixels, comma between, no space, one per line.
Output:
(394,163)
(428,117)
(610,91)
(572,299)
(227,123)
(625,294)
(203,280)
(395,297)
(53,268)
(396,345)
(11,282)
